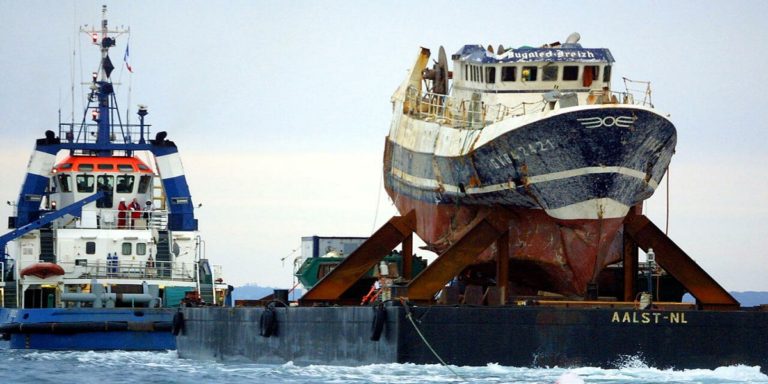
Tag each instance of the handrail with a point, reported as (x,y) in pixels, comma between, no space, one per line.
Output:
(87,133)
(130,270)
(116,219)
(475,114)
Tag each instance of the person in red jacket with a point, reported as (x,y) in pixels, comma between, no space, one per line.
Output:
(122,214)
(135,208)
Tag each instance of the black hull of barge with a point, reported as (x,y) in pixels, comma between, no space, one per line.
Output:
(476,336)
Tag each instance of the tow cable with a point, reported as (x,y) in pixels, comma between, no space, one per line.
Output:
(409,316)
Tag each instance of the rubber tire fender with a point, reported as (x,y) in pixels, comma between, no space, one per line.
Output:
(268,323)
(379,319)
(178,325)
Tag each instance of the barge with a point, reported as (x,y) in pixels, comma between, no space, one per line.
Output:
(525,173)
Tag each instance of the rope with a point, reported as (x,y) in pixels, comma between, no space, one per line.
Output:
(666,227)
(378,201)
(409,316)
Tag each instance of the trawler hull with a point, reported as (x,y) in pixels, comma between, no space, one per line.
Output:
(563,182)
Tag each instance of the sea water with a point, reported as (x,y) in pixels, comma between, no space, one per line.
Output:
(17,366)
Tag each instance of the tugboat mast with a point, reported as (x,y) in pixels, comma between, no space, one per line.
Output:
(102,89)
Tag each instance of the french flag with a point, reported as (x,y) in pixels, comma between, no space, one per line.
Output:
(125,58)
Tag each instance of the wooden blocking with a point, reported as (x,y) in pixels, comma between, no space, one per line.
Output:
(493,296)
(449,296)
(473,295)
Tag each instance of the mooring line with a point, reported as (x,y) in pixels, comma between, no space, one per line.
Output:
(424,339)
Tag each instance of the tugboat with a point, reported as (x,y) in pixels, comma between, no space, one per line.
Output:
(104,245)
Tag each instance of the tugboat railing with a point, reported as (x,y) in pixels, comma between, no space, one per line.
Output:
(130,270)
(116,219)
(88,133)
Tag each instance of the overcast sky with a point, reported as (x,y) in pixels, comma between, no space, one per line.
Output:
(280,108)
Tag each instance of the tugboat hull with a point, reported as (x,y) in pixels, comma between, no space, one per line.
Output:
(137,329)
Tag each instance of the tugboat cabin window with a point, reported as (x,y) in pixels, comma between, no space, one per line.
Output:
(571,73)
(144,182)
(127,248)
(141,249)
(125,168)
(85,167)
(508,73)
(105,183)
(529,73)
(143,167)
(466,72)
(64,183)
(490,75)
(550,73)
(105,167)
(66,166)
(90,248)
(85,183)
(124,184)
(607,74)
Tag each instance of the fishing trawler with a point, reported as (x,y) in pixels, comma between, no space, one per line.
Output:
(536,135)
(104,244)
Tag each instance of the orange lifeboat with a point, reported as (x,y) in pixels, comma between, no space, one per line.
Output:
(43,270)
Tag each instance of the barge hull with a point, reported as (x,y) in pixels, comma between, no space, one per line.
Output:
(477,336)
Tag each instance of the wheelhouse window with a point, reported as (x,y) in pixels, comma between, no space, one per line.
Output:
(125,168)
(607,74)
(85,183)
(144,183)
(105,167)
(550,73)
(529,73)
(490,75)
(508,73)
(105,183)
(127,249)
(90,248)
(64,183)
(124,184)
(591,73)
(466,72)
(570,73)
(85,167)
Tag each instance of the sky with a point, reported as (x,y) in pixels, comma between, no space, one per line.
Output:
(280,108)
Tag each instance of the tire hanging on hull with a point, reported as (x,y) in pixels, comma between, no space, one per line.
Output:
(379,318)
(268,322)
(178,326)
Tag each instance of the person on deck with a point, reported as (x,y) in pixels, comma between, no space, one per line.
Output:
(135,208)
(122,215)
